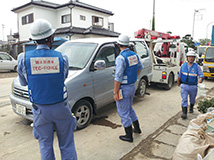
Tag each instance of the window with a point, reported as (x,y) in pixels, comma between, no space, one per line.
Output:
(5,57)
(83,18)
(27,19)
(107,53)
(141,50)
(78,53)
(97,21)
(111,26)
(66,18)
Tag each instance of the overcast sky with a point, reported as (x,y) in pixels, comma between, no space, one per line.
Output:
(131,15)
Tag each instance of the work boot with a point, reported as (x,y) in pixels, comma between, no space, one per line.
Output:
(128,137)
(136,127)
(191,108)
(184,115)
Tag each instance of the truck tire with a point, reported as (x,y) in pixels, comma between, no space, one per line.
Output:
(141,90)
(83,112)
(169,85)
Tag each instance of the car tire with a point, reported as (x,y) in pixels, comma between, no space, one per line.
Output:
(15,69)
(141,90)
(83,112)
(169,85)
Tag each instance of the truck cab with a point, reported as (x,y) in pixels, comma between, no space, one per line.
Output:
(208,62)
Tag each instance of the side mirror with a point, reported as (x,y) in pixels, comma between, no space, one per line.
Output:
(99,65)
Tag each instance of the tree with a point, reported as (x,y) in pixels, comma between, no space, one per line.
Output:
(188,40)
(204,42)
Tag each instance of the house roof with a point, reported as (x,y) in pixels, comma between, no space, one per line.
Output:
(57,6)
(90,30)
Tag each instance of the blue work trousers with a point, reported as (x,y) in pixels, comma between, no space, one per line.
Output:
(186,90)
(45,118)
(124,106)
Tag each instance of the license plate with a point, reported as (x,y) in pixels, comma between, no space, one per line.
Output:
(21,109)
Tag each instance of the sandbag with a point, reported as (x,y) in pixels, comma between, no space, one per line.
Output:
(194,140)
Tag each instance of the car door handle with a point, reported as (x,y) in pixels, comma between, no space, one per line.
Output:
(113,72)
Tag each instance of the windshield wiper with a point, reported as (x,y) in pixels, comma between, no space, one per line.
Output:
(72,67)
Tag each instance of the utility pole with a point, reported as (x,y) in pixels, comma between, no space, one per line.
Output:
(153,19)
(193,27)
(2,32)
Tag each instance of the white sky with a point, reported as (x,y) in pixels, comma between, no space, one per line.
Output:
(131,15)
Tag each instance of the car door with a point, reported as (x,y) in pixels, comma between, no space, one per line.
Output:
(103,80)
(5,62)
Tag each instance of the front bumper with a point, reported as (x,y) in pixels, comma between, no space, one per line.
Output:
(24,103)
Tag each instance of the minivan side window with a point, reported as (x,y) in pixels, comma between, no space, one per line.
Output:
(107,53)
(141,50)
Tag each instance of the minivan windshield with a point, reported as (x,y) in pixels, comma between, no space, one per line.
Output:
(209,57)
(78,53)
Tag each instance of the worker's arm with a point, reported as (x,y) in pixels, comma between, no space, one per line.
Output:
(21,70)
(179,82)
(120,66)
(200,75)
(116,90)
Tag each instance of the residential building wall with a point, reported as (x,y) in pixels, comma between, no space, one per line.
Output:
(38,12)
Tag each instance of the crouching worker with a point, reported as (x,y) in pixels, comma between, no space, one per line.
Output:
(127,68)
(44,71)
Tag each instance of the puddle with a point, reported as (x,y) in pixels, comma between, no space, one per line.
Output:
(5,133)
(25,122)
(102,121)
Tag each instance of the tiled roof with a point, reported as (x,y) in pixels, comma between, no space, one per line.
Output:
(57,6)
(90,30)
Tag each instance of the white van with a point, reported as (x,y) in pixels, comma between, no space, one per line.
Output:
(90,82)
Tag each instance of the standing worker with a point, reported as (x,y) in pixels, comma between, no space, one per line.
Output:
(44,71)
(128,67)
(188,80)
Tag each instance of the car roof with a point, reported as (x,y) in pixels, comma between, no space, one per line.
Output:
(100,40)
(4,52)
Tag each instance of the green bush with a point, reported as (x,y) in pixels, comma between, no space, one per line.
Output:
(205,104)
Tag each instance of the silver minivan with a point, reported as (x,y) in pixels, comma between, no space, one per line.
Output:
(90,82)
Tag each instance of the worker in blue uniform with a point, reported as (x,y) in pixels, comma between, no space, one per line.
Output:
(127,68)
(189,76)
(44,71)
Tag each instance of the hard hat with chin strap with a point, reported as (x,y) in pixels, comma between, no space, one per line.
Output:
(123,40)
(191,53)
(41,29)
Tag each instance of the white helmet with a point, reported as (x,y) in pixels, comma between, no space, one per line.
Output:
(41,29)
(123,40)
(191,53)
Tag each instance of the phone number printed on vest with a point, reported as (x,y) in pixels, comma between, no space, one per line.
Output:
(132,60)
(44,65)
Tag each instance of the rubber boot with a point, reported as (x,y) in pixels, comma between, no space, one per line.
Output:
(128,137)
(191,108)
(184,115)
(136,127)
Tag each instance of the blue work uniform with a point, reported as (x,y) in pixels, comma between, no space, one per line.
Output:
(55,114)
(189,79)
(126,74)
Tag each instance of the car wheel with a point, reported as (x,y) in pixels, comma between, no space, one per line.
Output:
(168,86)
(15,69)
(141,90)
(83,113)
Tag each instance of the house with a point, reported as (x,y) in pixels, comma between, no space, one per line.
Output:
(72,20)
